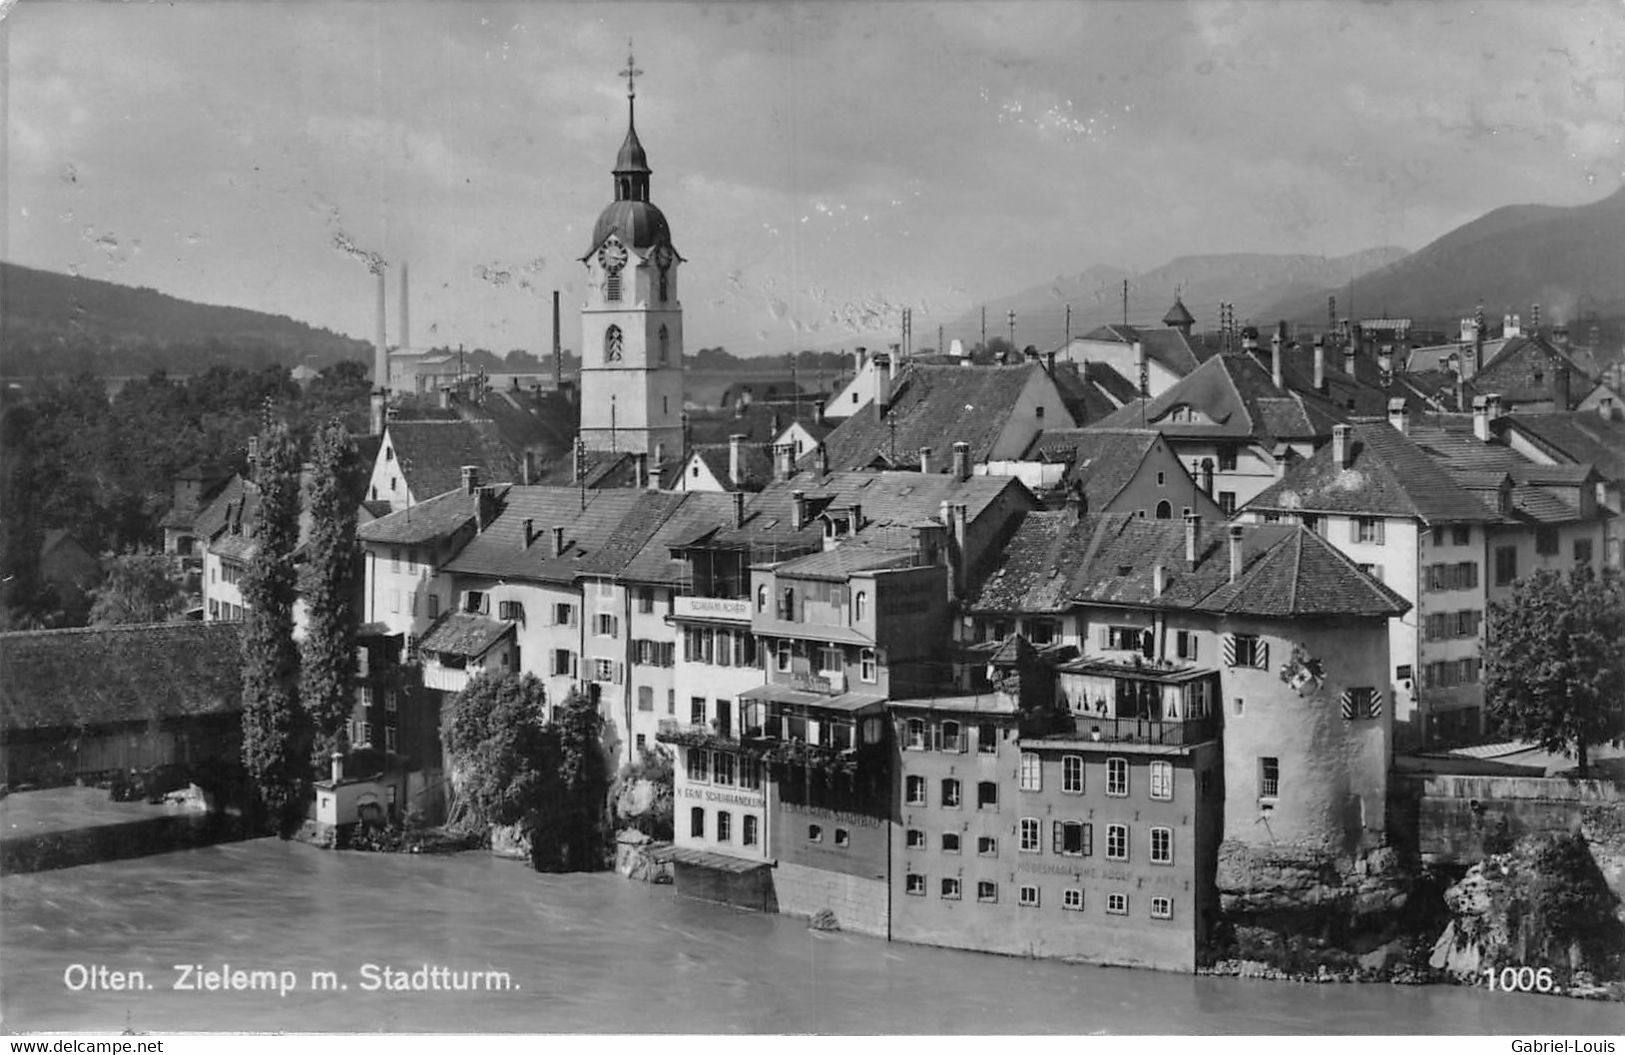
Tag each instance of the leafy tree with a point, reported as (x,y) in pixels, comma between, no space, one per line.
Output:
(503,750)
(332,579)
(1554,667)
(137,588)
(581,833)
(274,734)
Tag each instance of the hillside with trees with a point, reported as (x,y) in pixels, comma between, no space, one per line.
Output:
(57,324)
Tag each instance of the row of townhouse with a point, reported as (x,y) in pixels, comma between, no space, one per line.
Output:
(1450,520)
(944,780)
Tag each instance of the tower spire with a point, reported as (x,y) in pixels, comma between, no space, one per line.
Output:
(631,74)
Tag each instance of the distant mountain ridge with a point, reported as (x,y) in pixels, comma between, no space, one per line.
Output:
(1250,281)
(1564,258)
(37,304)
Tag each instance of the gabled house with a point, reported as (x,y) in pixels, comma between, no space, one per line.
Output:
(1576,438)
(420,459)
(1528,374)
(1131,471)
(738,465)
(1162,356)
(917,418)
(1233,425)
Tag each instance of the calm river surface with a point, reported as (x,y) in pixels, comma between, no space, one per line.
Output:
(600,954)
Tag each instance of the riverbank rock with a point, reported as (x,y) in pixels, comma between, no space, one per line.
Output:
(1545,903)
(511,841)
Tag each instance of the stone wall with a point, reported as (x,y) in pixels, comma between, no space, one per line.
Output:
(859,904)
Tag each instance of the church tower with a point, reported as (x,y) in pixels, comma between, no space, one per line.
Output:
(631,321)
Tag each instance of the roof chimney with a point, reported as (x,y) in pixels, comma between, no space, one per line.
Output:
(783,461)
(1074,505)
(640,468)
(739,509)
(1249,338)
(1560,387)
(1348,359)
(893,361)
(1275,360)
(336,764)
(528,469)
(818,410)
(558,540)
(961,462)
(471,479)
(380,350)
(655,474)
(882,384)
(798,510)
(1283,459)
(1343,446)
(1193,528)
(821,452)
(485,506)
(527,533)
(1159,580)
(1481,418)
(1236,531)
(736,459)
(578,470)
(1492,405)
(925,459)
(1399,415)
(1320,365)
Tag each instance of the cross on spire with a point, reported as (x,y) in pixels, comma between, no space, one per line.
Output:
(631,74)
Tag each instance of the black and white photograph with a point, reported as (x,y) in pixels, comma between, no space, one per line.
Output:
(952,518)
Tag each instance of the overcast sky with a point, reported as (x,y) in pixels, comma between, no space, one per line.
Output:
(821,164)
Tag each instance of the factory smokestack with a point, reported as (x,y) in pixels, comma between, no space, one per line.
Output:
(406,319)
(380,350)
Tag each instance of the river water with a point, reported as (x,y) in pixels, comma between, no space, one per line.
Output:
(596,953)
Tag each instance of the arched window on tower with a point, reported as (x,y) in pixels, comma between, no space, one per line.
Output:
(665,345)
(664,288)
(1164,511)
(612,345)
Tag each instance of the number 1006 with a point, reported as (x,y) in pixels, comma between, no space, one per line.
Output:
(1520,979)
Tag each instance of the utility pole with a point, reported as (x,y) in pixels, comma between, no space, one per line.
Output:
(1125,302)
(1011,315)
(984,327)
(1068,341)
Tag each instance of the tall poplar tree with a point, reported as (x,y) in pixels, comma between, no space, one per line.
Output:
(274,729)
(333,575)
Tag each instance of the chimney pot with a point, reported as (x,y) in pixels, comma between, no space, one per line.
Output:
(1275,361)
(736,459)
(558,540)
(1193,529)
(655,475)
(925,459)
(471,479)
(1159,580)
(1236,531)
(818,410)
(336,762)
(529,534)
(1320,364)
(783,461)
(640,469)
(739,509)
(798,510)
(961,463)
(823,460)
(1342,445)
(529,473)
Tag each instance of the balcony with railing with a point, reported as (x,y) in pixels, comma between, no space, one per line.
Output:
(1138,702)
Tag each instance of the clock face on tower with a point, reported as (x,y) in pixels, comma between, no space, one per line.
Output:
(612,257)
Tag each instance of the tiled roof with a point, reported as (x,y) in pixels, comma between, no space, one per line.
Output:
(1103,460)
(935,407)
(97,676)
(464,634)
(594,539)
(184,513)
(698,512)
(1575,437)
(887,499)
(981,703)
(542,422)
(757,422)
(1083,392)
(431,454)
(1523,371)
(756,464)
(1241,401)
(437,518)
(847,559)
(1055,562)
(1539,494)
(1167,346)
(1388,475)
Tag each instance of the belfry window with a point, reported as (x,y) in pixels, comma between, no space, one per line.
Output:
(612,286)
(665,334)
(612,345)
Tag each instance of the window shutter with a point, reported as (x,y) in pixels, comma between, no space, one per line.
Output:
(620,673)
(1354,529)
(1263,655)
(1105,637)
(1088,840)
(1348,704)
(1230,650)
(1376,703)
(1058,836)
(575,668)
(1380,522)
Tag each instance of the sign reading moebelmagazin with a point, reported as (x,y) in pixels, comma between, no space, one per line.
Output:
(230,978)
